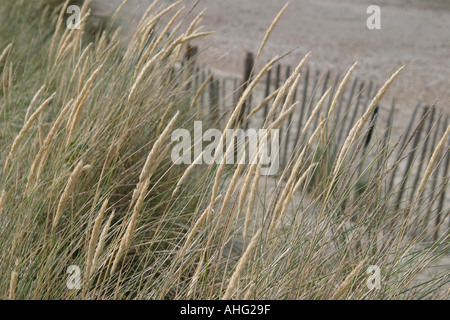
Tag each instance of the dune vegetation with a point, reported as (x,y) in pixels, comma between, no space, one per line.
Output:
(87,180)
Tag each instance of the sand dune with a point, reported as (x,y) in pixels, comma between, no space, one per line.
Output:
(413,33)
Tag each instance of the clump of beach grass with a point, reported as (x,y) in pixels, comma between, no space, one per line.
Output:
(97,148)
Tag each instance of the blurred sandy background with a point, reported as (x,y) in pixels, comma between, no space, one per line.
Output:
(415,33)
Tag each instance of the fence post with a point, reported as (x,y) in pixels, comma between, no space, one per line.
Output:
(248,69)
(402,145)
(333,91)
(288,125)
(202,80)
(421,159)
(189,57)
(410,159)
(355,110)
(277,85)
(213,97)
(386,136)
(267,93)
(349,102)
(302,110)
(315,91)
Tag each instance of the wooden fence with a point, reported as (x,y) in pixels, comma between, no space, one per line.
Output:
(414,148)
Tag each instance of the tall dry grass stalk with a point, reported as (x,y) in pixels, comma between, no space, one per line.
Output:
(58,27)
(126,239)
(246,186)
(13,285)
(240,266)
(32,103)
(232,187)
(161,56)
(251,200)
(2,200)
(68,191)
(153,158)
(200,231)
(141,189)
(94,238)
(5,52)
(288,86)
(80,103)
(42,154)
(263,103)
(81,59)
(199,93)
(101,242)
(357,128)
(433,160)
(251,86)
(346,283)
(24,130)
(269,31)
(186,174)
(280,213)
(315,112)
(291,180)
(340,90)
(119,9)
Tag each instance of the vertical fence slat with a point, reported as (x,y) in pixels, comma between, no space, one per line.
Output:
(235,90)
(355,110)
(410,161)
(436,172)
(248,68)
(277,85)
(197,78)
(325,82)
(421,158)
(349,102)
(288,126)
(302,111)
(371,126)
(203,78)
(267,93)
(386,136)
(213,97)
(333,91)
(402,145)
(223,96)
(313,95)
(440,206)
(369,135)
(216,97)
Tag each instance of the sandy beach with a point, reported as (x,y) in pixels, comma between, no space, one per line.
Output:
(414,33)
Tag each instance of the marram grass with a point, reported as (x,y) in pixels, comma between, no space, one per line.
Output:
(87,180)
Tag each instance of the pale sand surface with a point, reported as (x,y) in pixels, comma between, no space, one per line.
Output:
(415,33)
